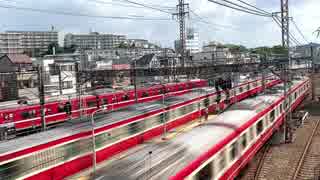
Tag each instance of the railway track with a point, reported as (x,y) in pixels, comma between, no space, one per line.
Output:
(310,159)
(254,167)
(284,159)
(281,162)
(264,153)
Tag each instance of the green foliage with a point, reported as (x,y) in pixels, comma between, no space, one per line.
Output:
(236,48)
(264,50)
(59,49)
(123,45)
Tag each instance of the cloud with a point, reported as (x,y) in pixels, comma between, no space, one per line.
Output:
(238,27)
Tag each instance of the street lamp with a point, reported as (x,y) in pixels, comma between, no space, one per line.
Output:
(94,156)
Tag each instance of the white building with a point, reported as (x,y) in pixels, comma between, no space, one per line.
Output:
(60,67)
(32,42)
(94,40)
(215,53)
(192,42)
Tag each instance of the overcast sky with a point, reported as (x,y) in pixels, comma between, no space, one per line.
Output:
(227,26)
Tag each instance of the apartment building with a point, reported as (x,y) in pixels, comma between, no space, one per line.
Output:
(94,40)
(32,43)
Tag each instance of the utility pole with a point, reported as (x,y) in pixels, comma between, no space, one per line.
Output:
(312,73)
(78,88)
(60,79)
(135,81)
(264,66)
(41,97)
(182,12)
(285,68)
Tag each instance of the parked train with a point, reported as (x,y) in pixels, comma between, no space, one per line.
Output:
(24,117)
(215,149)
(60,152)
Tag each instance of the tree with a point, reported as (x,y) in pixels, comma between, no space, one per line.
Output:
(70,49)
(52,45)
(236,48)
(123,45)
(279,50)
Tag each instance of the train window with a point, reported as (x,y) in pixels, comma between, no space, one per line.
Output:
(251,133)
(104,101)
(244,141)
(286,104)
(145,94)
(259,127)
(125,97)
(134,127)
(25,115)
(221,161)
(281,108)
(295,95)
(233,151)
(240,89)
(92,103)
(60,108)
(248,87)
(272,116)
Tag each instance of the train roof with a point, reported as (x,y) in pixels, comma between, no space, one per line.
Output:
(72,128)
(169,157)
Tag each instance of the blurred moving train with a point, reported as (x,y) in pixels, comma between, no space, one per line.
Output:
(28,116)
(60,152)
(215,149)
(241,131)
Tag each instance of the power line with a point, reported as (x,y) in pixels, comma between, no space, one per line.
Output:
(254,7)
(294,40)
(124,5)
(203,20)
(240,9)
(146,6)
(246,8)
(300,32)
(83,15)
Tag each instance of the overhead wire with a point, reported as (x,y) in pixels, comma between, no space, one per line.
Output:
(146,6)
(203,20)
(250,5)
(83,15)
(130,5)
(238,8)
(291,37)
(246,8)
(258,11)
(299,31)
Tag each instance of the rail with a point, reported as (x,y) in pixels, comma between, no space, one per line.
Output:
(261,160)
(306,149)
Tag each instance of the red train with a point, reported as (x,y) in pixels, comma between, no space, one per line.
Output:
(23,117)
(63,151)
